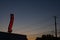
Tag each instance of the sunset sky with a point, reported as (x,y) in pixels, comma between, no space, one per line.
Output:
(31,17)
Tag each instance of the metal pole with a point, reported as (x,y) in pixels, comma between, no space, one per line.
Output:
(55,27)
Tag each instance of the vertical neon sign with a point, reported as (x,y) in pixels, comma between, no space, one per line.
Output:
(11,23)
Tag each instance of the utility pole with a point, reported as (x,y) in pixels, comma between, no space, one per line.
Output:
(55,27)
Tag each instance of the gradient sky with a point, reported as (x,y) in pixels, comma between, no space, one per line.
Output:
(32,17)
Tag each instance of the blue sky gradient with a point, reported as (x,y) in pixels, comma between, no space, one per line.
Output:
(31,16)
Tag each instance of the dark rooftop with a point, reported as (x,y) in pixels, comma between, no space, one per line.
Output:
(12,36)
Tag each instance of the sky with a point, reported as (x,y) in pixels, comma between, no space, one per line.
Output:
(31,17)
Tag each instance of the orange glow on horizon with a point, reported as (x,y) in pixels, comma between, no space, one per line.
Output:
(31,37)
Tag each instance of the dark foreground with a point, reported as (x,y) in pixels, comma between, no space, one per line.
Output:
(48,37)
(12,36)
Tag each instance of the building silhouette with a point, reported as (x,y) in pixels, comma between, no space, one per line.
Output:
(48,37)
(12,36)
